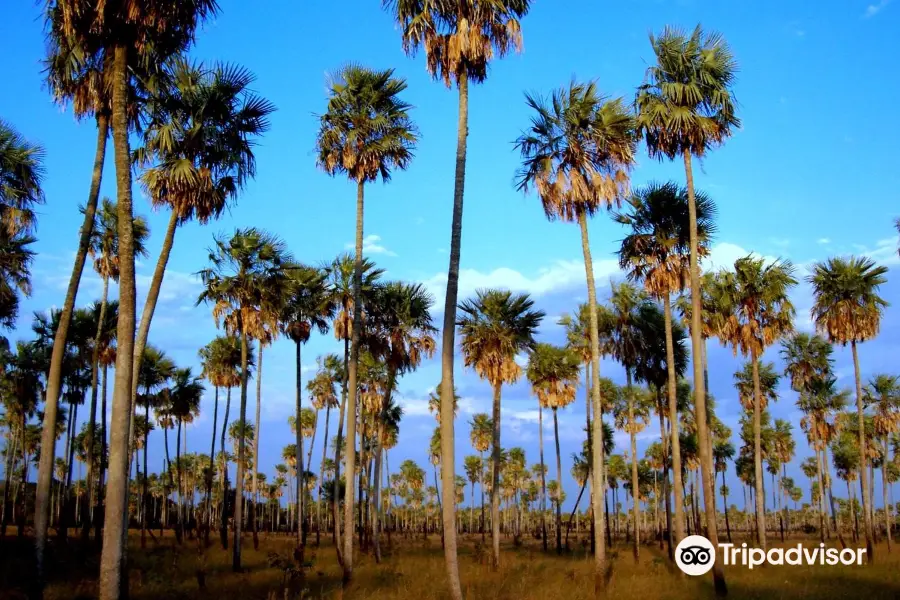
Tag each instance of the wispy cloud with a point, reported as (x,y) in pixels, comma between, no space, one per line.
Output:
(372,245)
(874,9)
(823,241)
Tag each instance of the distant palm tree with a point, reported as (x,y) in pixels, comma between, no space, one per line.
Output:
(848,309)
(460,39)
(685,107)
(577,154)
(495,327)
(761,313)
(247,277)
(553,373)
(481,434)
(883,393)
(184,405)
(657,252)
(366,132)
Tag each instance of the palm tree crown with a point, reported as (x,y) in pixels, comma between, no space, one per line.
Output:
(847,306)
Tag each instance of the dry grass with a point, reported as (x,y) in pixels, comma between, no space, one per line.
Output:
(413,569)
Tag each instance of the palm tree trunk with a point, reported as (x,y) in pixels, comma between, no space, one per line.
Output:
(146,481)
(725,508)
(336,500)
(863,474)
(95,367)
(483,522)
(598,477)
(54,375)
(448,346)
(350,466)
(543,477)
(884,491)
(223,532)
(677,485)
(112,562)
(757,456)
(558,483)
(699,384)
(209,479)
(495,479)
(301,538)
(635,490)
(179,525)
(255,492)
(239,483)
(322,476)
(661,408)
(101,488)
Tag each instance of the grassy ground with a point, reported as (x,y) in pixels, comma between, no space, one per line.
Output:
(414,569)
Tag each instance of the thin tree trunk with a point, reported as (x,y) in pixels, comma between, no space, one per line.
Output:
(336,500)
(543,477)
(212,466)
(677,484)
(322,476)
(635,490)
(725,508)
(146,479)
(448,345)
(255,485)
(239,483)
(95,367)
(98,533)
(113,558)
(700,411)
(863,474)
(350,466)
(558,484)
(495,479)
(661,408)
(54,375)
(757,456)
(223,532)
(884,491)
(301,538)
(179,525)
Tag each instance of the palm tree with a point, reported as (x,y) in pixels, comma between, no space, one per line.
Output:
(366,132)
(577,155)
(847,308)
(656,251)
(761,314)
(247,278)
(685,107)
(495,327)
(400,322)
(883,393)
(460,39)
(783,447)
(481,434)
(330,369)
(553,373)
(202,127)
(104,249)
(307,307)
(184,405)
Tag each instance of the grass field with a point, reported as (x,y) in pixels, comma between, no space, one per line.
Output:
(413,569)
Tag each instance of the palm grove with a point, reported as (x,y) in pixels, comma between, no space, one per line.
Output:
(124,65)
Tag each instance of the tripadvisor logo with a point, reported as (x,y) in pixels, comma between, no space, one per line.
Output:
(695,555)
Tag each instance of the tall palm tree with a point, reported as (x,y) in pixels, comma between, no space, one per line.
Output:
(366,133)
(761,314)
(104,249)
(883,394)
(577,154)
(202,127)
(308,306)
(685,107)
(400,319)
(495,327)
(247,277)
(847,308)
(553,373)
(459,39)
(656,251)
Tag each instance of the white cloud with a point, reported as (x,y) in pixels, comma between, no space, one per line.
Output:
(884,252)
(823,241)
(874,9)
(372,245)
(724,254)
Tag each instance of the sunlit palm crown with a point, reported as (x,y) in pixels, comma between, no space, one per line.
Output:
(685,103)
(21,174)
(806,357)
(656,250)
(820,406)
(341,283)
(761,311)
(495,326)
(883,394)
(578,152)
(768,384)
(366,131)
(482,427)
(247,278)
(847,307)
(199,135)
(460,37)
(553,374)
(104,241)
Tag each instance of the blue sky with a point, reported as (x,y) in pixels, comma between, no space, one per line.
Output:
(812,173)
